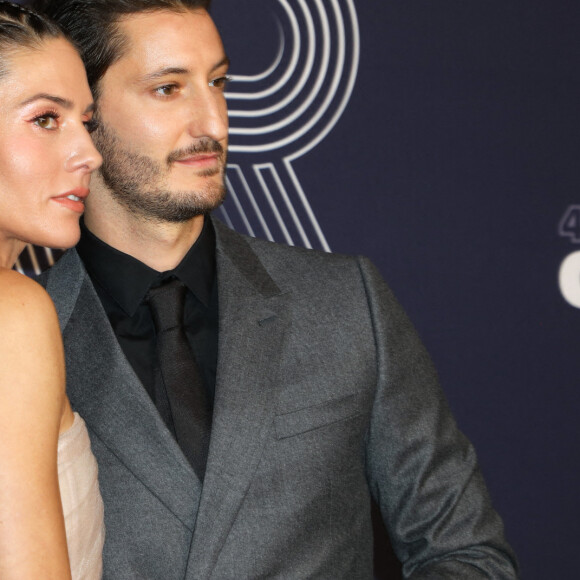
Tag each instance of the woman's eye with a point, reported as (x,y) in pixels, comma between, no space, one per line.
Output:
(220,82)
(46,121)
(166,90)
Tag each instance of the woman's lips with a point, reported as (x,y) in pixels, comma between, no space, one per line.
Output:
(74,199)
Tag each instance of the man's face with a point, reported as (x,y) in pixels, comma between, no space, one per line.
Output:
(163,118)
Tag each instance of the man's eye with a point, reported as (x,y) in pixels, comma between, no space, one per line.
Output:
(91,125)
(166,90)
(220,82)
(46,121)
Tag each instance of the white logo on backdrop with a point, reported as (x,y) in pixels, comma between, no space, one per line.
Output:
(284,111)
(569,272)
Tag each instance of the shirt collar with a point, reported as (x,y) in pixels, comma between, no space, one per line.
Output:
(127,280)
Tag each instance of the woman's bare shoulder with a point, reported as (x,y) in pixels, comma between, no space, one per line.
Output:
(29,333)
(22,299)
(12,282)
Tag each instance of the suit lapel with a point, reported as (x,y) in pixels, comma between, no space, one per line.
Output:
(253,320)
(105,391)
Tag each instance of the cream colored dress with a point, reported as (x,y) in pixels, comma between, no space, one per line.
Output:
(81,502)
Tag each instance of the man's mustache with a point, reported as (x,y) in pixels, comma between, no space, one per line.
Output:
(200,147)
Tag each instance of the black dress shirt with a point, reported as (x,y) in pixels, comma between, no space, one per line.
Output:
(122,283)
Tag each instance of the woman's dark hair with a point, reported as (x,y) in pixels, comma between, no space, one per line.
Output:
(21,27)
(93,27)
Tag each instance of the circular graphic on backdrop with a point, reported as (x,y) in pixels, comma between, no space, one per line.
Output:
(281,108)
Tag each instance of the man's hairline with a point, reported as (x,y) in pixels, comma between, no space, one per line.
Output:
(124,42)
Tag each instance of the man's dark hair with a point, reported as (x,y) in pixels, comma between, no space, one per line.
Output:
(93,27)
(20,28)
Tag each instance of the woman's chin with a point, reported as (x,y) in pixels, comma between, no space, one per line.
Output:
(61,239)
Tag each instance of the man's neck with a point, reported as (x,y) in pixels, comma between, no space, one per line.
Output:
(159,245)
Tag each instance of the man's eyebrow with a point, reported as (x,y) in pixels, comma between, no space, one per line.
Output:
(225,61)
(169,70)
(65,103)
(176,70)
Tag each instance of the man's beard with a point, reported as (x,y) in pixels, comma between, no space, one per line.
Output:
(139,183)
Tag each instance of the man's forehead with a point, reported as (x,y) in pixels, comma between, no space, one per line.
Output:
(163,39)
(138,25)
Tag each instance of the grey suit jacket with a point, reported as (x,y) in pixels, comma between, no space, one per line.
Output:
(324,397)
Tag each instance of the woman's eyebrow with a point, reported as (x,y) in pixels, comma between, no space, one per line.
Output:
(65,103)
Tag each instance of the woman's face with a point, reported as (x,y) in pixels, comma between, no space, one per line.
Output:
(46,153)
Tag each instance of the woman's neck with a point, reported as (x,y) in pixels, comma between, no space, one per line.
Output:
(9,252)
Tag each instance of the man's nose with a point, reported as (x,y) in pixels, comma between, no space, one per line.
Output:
(209,117)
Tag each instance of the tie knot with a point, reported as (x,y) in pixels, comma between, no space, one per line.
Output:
(167,303)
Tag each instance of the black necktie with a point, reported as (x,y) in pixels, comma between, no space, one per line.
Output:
(180,395)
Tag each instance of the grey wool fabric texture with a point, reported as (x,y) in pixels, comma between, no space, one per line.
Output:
(325,397)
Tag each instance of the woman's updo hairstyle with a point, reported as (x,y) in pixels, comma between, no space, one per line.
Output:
(21,27)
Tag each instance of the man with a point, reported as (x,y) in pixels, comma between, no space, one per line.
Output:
(322,395)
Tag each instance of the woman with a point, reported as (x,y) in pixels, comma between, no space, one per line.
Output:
(46,158)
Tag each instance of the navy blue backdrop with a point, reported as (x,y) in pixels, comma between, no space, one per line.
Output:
(440,139)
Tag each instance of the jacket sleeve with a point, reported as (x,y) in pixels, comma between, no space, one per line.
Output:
(422,470)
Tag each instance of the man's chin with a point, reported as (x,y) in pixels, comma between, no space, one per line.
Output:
(200,201)
(208,192)
(201,182)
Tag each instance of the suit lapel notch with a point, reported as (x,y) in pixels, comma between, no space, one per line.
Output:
(253,323)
